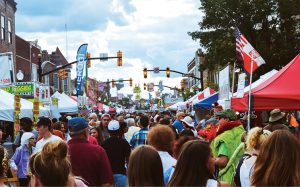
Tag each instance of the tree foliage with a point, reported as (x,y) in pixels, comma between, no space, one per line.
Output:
(269,25)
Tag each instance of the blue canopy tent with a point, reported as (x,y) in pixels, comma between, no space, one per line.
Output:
(207,102)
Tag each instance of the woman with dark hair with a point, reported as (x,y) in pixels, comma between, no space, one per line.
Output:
(177,148)
(278,162)
(96,132)
(145,167)
(195,166)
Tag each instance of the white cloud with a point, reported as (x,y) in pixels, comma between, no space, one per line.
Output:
(155,35)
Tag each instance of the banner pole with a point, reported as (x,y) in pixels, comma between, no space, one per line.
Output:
(249,103)
(233,79)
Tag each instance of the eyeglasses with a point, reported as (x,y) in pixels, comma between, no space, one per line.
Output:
(105,119)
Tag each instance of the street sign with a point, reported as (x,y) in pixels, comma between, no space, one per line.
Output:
(104,56)
(188,75)
(156,70)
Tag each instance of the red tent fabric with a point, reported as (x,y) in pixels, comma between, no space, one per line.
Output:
(282,91)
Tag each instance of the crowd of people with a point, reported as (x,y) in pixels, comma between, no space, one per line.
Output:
(154,149)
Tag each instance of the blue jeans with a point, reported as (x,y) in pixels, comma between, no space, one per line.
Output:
(120,180)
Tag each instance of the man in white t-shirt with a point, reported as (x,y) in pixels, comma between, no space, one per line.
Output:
(44,127)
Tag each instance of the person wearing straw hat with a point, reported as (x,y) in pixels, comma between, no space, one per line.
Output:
(277,121)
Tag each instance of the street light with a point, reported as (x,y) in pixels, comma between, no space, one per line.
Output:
(145,73)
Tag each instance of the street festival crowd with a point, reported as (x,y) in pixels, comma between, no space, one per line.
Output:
(155,149)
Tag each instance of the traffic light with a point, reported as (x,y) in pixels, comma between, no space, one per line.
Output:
(113,83)
(130,82)
(145,86)
(120,56)
(64,74)
(182,84)
(168,72)
(145,73)
(88,56)
(60,73)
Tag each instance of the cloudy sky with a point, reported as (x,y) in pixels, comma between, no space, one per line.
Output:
(151,33)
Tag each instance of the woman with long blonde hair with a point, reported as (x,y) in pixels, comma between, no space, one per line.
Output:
(278,162)
(255,138)
(51,167)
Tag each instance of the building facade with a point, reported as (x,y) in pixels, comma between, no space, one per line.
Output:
(27,59)
(7,32)
(50,62)
(193,67)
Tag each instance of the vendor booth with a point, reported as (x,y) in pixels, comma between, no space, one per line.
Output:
(280,91)
(207,102)
(65,103)
(7,107)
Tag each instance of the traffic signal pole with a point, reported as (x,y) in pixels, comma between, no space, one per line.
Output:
(69,64)
(174,71)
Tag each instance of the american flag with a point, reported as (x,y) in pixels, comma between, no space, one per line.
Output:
(241,41)
(246,53)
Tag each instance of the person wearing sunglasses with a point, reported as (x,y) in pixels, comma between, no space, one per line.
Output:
(20,159)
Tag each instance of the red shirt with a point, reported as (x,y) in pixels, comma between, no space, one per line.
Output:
(90,162)
(93,140)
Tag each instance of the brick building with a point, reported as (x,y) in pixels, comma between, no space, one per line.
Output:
(27,58)
(50,62)
(7,23)
(27,62)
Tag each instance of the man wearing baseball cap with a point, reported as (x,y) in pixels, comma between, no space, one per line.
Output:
(118,151)
(44,127)
(88,161)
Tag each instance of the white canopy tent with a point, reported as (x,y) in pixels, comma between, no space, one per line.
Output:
(7,107)
(226,103)
(177,106)
(65,103)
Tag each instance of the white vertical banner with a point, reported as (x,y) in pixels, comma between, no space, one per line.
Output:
(224,84)
(6,70)
(44,94)
(241,85)
(34,72)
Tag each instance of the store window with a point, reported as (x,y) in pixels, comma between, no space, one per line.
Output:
(2,27)
(9,29)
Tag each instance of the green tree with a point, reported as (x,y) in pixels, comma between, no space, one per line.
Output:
(269,25)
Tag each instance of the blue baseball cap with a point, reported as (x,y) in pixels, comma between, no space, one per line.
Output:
(77,125)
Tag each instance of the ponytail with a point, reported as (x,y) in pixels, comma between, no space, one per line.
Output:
(51,165)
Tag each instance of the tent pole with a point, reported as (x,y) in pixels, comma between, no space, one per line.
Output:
(249,103)
(233,79)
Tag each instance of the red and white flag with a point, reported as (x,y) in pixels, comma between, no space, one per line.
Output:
(246,52)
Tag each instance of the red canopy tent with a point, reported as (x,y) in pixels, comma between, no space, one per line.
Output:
(282,91)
